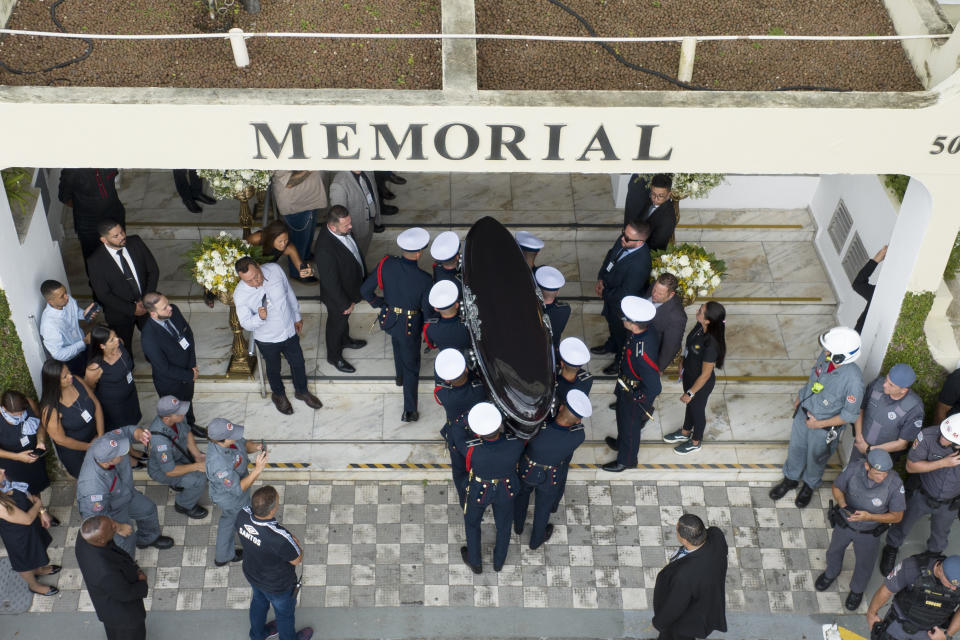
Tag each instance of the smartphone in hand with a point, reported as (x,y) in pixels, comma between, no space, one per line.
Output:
(95,309)
(263,301)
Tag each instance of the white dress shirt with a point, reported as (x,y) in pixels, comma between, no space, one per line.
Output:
(126,254)
(60,331)
(282,306)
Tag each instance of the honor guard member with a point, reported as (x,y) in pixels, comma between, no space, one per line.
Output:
(551,280)
(447,331)
(868,499)
(492,480)
(539,469)
(830,399)
(105,488)
(457,393)
(530,246)
(174,458)
(638,384)
(925,596)
(891,415)
(574,354)
(445,250)
(403,305)
(230,481)
(934,465)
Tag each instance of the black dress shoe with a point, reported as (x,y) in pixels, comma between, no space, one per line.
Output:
(614,467)
(237,557)
(518,527)
(388,210)
(198,431)
(395,179)
(410,416)
(612,369)
(852,603)
(612,405)
(379,228)
(205,199)
(344,366)
(282,403)
(386,194)
(162,542)
(309,399)
(823,582)
(782,488)
(600,350)
(54,520)
(192,206)
(803,496)
(497,567)
(612,442)
(476,568)
(399,381)
(354,344)
(548,532)
(197,512)
(888,558)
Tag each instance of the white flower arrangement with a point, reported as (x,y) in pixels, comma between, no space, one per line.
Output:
(231,183)
(691,185)
(699,272)
(212,261)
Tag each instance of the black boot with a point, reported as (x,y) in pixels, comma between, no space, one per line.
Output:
(888,558)
(781,489)
(803,496)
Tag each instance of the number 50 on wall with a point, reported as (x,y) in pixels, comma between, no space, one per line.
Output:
(940,145)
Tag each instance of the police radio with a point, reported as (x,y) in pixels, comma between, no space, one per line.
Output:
(837,358)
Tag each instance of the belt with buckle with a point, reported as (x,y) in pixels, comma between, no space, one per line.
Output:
(405,312)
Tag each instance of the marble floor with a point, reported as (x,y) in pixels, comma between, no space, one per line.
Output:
(769,332)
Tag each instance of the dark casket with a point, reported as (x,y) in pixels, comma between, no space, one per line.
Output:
(511,337)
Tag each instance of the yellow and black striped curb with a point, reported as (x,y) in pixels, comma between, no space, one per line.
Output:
(650,466)
(284,465)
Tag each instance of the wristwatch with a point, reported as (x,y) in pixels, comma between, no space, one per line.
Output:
(690,393)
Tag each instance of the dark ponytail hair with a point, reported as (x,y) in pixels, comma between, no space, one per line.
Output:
(50,387)
(715,313)
(99,336)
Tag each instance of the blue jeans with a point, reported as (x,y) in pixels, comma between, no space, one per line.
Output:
(284,605)
(302,226)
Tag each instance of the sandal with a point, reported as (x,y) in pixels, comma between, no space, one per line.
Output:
(54,569)
(51,592)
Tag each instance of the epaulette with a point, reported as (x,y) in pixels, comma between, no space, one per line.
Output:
(474,443)
(560,303)
(444,385)
(476,383)
(584,375)
(509,436)
(432,320)
(578,427)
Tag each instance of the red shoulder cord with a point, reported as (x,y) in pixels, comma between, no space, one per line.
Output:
(435,389)
(380,272)
(427,339)
(469,457)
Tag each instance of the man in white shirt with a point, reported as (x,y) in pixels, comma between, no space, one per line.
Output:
(267,306)
(60,328)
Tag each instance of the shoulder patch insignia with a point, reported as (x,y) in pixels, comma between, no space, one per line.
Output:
(851,399)
(919,437)
(891,415)
(918,423)
(902,490)
(96,498)
(223,474)
(98,506)
(227,482)
(164,457)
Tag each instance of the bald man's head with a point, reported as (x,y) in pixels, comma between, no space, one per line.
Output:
(97,530)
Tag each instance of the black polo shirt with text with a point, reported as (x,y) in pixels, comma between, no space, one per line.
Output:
(268,549)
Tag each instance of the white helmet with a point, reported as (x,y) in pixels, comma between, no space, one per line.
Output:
(950,428)
(843,343)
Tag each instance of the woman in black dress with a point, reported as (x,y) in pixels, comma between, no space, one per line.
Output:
(110,373)
(70,413)
(703,352)
(23,441)
(23,529)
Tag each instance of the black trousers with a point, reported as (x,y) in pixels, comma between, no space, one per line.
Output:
(138,632)
(695,417)
(631,418)
(618,333)
(189,184)
(337,333)
(291,350)
(406,362)
(177,389)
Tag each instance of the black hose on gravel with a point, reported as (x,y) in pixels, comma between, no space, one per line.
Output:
(83,56)
(663,76)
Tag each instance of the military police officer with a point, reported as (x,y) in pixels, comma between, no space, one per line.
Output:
(105,488)
(891,414)
(403,306)
(574,354)
(830,399)
(542,461)
(530,246)
(230,480)
(934,460)
(638,384)
(925,596)
(174,458)
(445,250)
(550,281)
(868,499)
(447,331)
(457,393)
(492,480)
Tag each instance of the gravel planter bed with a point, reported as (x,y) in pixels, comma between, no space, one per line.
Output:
(719,65)
(274,63)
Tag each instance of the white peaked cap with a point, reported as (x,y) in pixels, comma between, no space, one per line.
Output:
(574,352)
(413,239)
(484,418)
(445,246)
(450,364)
(443,294)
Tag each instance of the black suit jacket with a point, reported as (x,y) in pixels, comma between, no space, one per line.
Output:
(689,596)
(670,322)
(112,290)
(628,277)
(340,275)
(168,359)
(662,221)
(111,578)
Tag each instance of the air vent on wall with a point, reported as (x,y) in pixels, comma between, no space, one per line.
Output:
(856,257)
(840,225)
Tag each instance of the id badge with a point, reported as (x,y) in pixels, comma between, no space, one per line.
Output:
(609,267)
(129,377)
(184,344)
(86,416)
(24,441)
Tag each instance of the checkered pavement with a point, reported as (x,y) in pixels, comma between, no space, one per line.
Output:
(373,544)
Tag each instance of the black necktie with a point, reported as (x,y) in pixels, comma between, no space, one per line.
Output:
(128,274)
(616,256)
(170,328)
